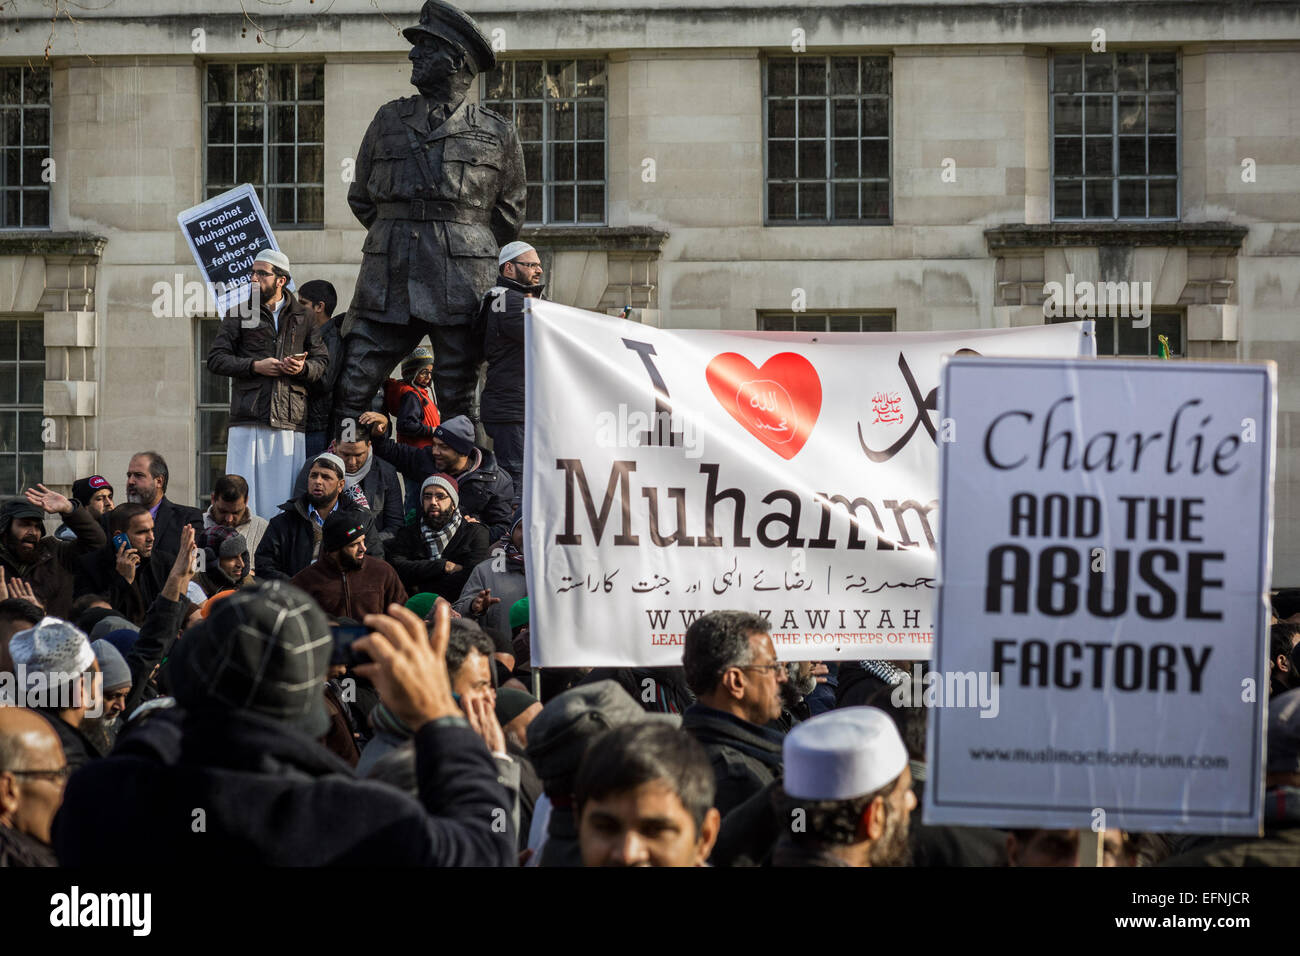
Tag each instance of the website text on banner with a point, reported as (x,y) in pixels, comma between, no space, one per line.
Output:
(672,473)
(1106,550)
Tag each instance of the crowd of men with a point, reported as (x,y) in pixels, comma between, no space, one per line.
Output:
(332,661)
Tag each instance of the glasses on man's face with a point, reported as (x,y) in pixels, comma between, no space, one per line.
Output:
(262,274)
(530,266)
(772,668)
(53,776)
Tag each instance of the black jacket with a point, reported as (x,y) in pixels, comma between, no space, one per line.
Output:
(272,796)
(486,492)
(167,524)
(158,633)
(77,747)
(409,555)
(131,599)
(320,394)
(18,849)
(54,572)
(745,757)
(287,546)
(499,328)
(383,495)
(278,401)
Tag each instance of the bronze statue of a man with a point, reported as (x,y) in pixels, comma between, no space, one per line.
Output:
(440,187)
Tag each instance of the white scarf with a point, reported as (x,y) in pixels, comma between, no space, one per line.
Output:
(354,479)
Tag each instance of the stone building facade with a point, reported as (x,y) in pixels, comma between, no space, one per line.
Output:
(709,165)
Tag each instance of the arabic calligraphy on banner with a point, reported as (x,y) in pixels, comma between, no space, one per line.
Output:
(673,473)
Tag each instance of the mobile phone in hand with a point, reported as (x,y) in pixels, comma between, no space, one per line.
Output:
(344,636)
(119,540)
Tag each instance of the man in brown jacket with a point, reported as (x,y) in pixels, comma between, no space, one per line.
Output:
(344,582)
(44,562)
(272,357)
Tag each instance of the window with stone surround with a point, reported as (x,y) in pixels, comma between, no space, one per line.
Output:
(1115,121)
(874,321)
(1120,337)
(213,416)
(22,403)
(558,108)
(265,125)
(826,132)
(25,173)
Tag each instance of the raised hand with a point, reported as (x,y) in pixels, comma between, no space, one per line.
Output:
(482,602)
(378,423)
(51,502)
(128,559)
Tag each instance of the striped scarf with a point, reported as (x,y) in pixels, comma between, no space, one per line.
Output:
(437,540)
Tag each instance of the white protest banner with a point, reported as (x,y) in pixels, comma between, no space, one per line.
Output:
(1105,549)
(224,234)
(672,473)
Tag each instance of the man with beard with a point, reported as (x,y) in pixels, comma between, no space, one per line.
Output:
(46,564)
(486,491)
(293,537)
(130,573)
(493,587)
(499,329)
(102,730)
(345,582)
(370,481)
(847,792)
(58,679)
(146,484)
(439,551)
(225,561)
(94,494)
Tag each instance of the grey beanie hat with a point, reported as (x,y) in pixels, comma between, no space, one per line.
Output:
(112,664)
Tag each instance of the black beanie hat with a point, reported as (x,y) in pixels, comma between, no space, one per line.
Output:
(83,489)
(341,529)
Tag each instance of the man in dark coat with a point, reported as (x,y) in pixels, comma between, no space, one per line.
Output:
(344,581)
(439,185)
(293,537)
(49,566)
(132,574)
(732,669)
(146,484)
(486,491)
(500,329)
(241,746)
(32,771)
(366,472)
(60,669)
(439,551)
(320,299)
(272,360)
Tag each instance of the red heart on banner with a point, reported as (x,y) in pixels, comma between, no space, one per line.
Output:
(778,403)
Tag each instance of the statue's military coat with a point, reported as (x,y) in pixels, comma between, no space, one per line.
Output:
(431,249)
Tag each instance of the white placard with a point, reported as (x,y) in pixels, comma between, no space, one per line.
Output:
(224,235)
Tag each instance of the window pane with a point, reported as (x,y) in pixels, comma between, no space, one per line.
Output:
(31,341)
(845,163)
(844,323)
(1097,114)
(875,158)
(248,164)
(1105,336)
(8,340)
(11,85)
(13,167)
(561,76)
(282,81)
(1163,199)
(282,164)
(812,118)
(31,384)
(812,201)
(1069,199)
(875,117)
(780,203)
(11,127)
(561,120)
(1067,73)
(36,86)
(1163,115)
(591,120)
(250,82)
(33,165)
(845,121)
(311,205)
(221,124)
(534,213)
(279,204)
(1098,199)
(221,82)
(311,164)
(528,80)
(780,118)
(29,431)
(8,476)
(248,125)
(780,160)
(36,127)
(1162,71)
(591,161)
(1067,156)
(1132,114)
(1131,69)
(1132,340)
(812,160)
(812,76)
(1132,198)
(591,203)
(875,74)
(562,203)
(36,208)
(1098,155)
(780,77)
(562,157)
(528,118)
(846,200)
(810,323)
(311,81)
(844,74)
(311,124)
(1068,115)
(778,323)
(533,160)
(497,85)
(1132,155)
(221,165)
(282,124)
(1170,325)
(1098,72)
(875,200)
(8,385)
(1164,155)
(29,470)
(591,78)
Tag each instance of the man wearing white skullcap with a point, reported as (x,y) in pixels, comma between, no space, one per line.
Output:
(272,353)
(499,332)
(58,679)
(847,792)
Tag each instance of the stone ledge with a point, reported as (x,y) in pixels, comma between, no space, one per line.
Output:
(595,238)
(1200,235)
(28,243)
